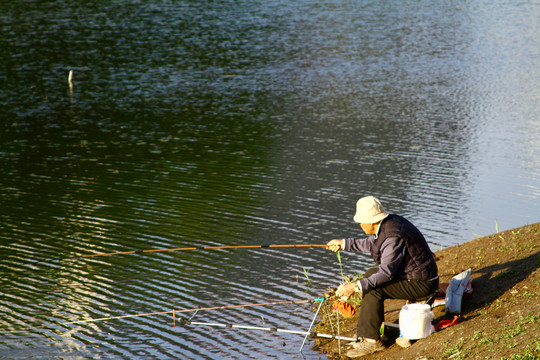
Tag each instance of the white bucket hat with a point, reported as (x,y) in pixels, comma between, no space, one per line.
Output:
(369,210)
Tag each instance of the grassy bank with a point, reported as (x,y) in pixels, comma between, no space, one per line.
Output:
(500,320)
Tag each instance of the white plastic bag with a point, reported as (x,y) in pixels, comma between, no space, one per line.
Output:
(454,292)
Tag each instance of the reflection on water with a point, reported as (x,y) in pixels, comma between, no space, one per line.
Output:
(200,124)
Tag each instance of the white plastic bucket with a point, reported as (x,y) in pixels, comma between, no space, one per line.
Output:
(415,321)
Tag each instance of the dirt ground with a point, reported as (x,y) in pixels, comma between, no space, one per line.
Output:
(500,320)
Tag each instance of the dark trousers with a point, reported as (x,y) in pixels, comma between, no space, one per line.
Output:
(372,308)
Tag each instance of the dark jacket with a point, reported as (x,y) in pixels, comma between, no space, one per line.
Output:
(400,250)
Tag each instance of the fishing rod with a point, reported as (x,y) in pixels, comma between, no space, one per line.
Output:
(305,333)
(247,327)
(174,312)
(268,246)
(189,321)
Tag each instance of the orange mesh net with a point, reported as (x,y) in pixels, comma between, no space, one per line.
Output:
(344,308)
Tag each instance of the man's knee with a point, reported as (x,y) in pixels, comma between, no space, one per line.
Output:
(371,271)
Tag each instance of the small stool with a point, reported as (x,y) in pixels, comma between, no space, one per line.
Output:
(430,299)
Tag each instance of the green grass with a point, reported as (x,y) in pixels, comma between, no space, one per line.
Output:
(454,349)
(306,274)
(340,265)
(532,352)
(477,335)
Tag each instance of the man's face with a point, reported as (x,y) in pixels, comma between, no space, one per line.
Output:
(369,229)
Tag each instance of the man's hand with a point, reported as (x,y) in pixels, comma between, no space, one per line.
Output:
(345,289)
(336,245)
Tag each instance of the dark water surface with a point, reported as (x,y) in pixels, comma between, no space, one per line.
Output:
(200,123)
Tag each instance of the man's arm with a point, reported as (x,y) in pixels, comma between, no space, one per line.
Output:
(351,244)
(359,245)
(392,253)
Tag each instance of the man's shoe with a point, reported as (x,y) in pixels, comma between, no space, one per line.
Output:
(403,342)
(364,347)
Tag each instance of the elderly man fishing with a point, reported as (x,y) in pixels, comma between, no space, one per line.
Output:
(406,269)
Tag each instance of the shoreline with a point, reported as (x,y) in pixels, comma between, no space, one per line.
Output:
(501,318)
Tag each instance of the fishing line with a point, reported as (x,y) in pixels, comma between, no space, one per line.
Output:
(174,312)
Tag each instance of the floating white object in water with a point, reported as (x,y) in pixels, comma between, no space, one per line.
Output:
(70,77)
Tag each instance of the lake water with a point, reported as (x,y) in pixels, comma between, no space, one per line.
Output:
(204,123)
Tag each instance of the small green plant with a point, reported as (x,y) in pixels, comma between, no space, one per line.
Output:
(530,319)
(531,353)
(455,349)
(513,345)
(306,274)
(355,299)
(528,294)
(486,341)
(512,331)
(477,335)
(340,265)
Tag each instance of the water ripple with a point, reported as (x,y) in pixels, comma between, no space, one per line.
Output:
(203,124)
